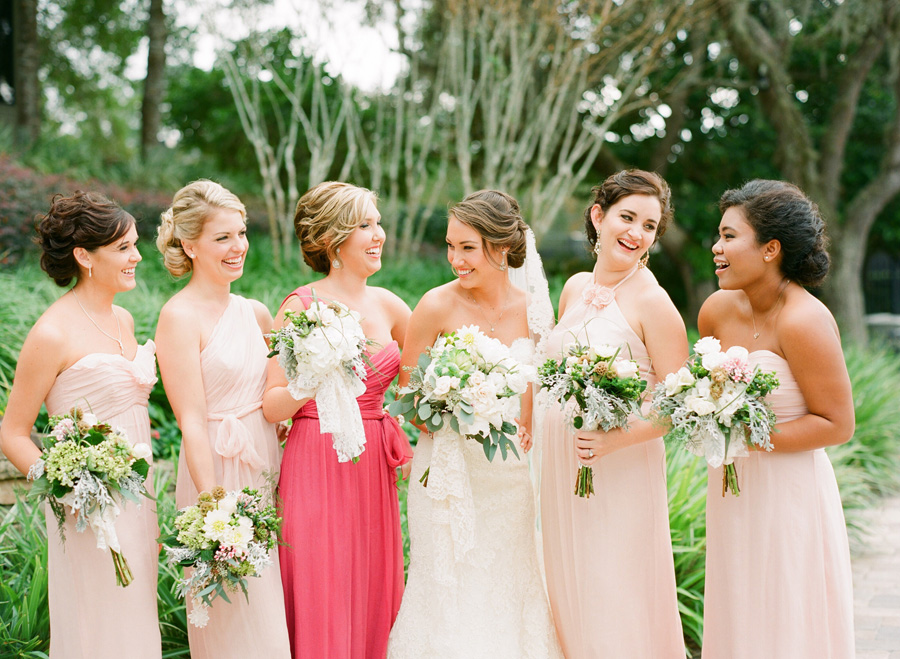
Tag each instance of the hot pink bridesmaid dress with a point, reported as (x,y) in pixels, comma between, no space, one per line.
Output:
(610,572)
(245,454)
(342,561)
(778,578)
(90,616)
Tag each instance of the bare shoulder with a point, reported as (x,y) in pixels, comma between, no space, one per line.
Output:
(50,331)
(179,308)
(392,302)
(437,299)
(263,315)
(804,319)
(573,284)
(126,318)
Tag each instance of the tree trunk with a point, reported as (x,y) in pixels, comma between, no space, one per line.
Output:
(843,290)
(28,59)
(154,83)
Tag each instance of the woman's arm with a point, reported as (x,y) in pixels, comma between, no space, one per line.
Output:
(178,352)
(666,340)
(41,360)
(278,404)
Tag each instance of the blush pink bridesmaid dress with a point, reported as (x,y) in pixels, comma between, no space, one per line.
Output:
(342,561)
(778,578)
(245,454)
(90,616)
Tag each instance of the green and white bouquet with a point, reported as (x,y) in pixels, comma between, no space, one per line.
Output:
(92,469)
(323,353)
(596,389)
(715,406)
(224,538)
(471,383)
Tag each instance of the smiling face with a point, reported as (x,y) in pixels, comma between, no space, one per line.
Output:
(627,229)
(468,255)
(220,249)
(361,250)
(113,265)
(738,256)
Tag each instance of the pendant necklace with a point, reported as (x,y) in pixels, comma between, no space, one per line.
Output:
(756,333)
(102,331)
(502,311)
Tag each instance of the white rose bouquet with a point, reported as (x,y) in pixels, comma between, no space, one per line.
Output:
(225,538)
(323,353)
(605,389)
(92,469)
(714,404)
(469,381)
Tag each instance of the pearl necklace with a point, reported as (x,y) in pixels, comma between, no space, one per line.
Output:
(102,331)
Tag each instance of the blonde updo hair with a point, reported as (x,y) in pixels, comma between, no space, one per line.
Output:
(184,220)
(326,215)
(497,219)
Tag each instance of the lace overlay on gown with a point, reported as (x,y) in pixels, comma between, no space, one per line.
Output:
(474,588)
(778,575)
(90,616)
(608,558)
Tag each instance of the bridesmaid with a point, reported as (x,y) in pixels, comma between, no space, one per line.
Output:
(82,351)
(342,561)
(212,358)
(610,574)
(778,580)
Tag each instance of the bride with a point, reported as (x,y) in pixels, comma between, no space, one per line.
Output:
(475,587)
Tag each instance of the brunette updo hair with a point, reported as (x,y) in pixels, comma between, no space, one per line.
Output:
(184,220)
(497,219)
(780,211)
(623,184)
(86,219)
(325,216)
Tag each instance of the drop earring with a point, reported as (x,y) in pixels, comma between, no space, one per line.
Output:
(336,263)
(90,271)
(503,265)
(597,247)
(643,262)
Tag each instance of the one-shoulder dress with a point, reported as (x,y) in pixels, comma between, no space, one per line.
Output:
(245,454)
(90,616)
(778,577)
(608,558)
(342,561)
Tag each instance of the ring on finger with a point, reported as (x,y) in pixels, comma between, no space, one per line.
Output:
(590,453)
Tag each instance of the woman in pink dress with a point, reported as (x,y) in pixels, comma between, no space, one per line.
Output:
(82,352)
(778,579)
(342,561)
(610,573)
(212,358)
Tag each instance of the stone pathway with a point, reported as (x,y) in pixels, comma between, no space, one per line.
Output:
(876,585)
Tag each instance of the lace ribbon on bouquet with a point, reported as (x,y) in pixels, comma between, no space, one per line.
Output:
(339,413)
(708,441)
(102,519)
(452,505)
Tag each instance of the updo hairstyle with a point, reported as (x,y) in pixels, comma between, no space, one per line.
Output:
(326,215)
(86,219)
(780,211)
(184,220)
(497,219)
(626,183)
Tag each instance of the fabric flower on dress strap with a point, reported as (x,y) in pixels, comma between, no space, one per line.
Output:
(598,296)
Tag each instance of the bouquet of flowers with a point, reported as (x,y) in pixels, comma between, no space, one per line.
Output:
(323,353)
(469,381)
(225,538)
(715,406)
(605,389)
(91,468)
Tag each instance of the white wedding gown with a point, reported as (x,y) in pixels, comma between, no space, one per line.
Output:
(475,588)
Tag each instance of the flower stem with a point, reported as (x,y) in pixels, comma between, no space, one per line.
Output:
(123,572)
(584,482)
(730,480)
(424,479)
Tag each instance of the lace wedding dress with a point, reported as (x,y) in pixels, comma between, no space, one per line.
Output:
(475,587)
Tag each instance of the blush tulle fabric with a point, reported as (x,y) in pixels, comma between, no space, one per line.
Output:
(90,616)
(245,454)
(342,561)
(608,558)
(778,577)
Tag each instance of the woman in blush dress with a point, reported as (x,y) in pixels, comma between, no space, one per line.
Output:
(212,359)
(608,558)
(778,579)
(475,589)
(82,352)
(342,561)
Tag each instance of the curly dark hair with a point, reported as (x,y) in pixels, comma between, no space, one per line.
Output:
(780,211)
(86,219)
